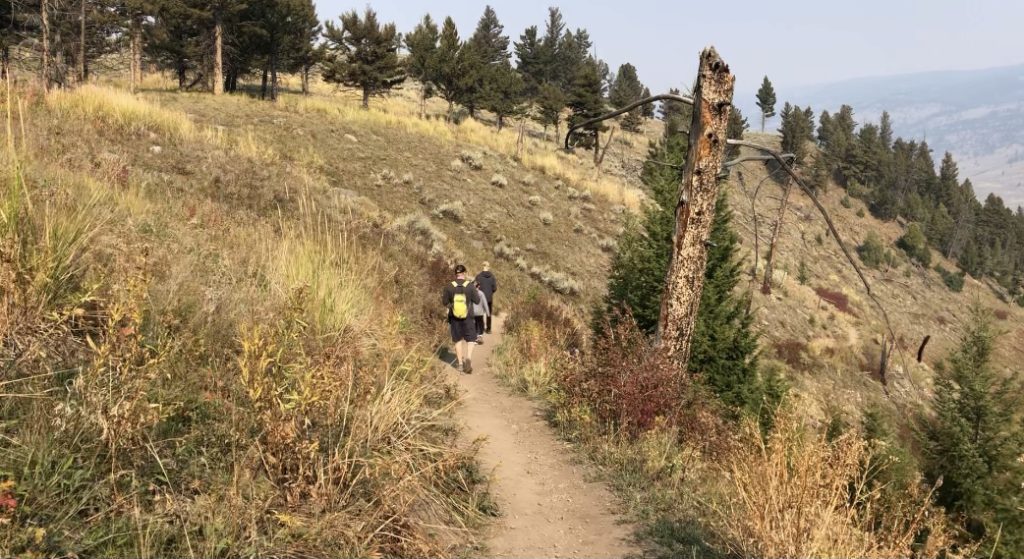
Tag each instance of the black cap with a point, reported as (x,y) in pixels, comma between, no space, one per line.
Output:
(460,269)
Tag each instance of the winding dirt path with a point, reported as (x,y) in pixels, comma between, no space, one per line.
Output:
(548,508)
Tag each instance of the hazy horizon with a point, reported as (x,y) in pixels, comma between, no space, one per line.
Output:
(823,43)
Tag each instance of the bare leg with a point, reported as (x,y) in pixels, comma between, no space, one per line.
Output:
(459,350)
(469,350)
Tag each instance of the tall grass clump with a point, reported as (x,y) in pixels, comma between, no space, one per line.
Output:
(797,494)
(119,110)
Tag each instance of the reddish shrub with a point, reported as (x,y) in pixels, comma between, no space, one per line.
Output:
(630,386)
(791,352)
(1001,314)
(837,299)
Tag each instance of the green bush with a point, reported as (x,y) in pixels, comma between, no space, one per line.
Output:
(873,252)
(846,202)
(953,280)
(914,243)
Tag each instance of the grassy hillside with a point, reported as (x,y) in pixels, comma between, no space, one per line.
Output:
(221,304)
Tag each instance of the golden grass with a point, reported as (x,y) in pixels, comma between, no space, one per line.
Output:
(538,156)
(120,110)
(227,385)
(797,494)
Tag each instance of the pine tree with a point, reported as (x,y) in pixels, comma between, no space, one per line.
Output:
(647,111)
(675,114)
(725,346)
(627,89)
(550,103)
(422,63)
(448,75)
(766,101)
(530,61)
(504,92)
(735,130)
(586,101)
(479,58)
(364,55)
(975,439)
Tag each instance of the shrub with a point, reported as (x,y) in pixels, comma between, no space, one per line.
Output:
(914,243)
(1001,314)
(837,299)
(860,212)
(407,179)
(421,228)
(499,181)
(607,244)
(534,200)
(802,275)
(473,160)
(953,280)
(384,178)
(845,201)
(456,166)
(628,385)
(505,251)
(455,211)
(873,253)
(546,218)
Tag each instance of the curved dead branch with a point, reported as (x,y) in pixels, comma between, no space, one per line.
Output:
(831,226)
(626,109)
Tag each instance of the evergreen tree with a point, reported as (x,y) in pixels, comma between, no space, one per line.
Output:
(448,74)
(766,101)
(734,131)
(797,131)
(885,130)
(586,101)
(647,111)
(422,63)
(625,90)
(550,103)
(530,61)
(504,92)
(364,55)
(675,114)
(725,346)
(975,440)
(479,59)
(488,40)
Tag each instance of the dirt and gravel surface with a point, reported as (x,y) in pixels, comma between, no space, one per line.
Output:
(549,507)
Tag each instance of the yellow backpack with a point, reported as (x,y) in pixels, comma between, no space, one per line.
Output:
(460,303)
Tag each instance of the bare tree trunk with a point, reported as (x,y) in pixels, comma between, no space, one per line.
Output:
(81,48)
(305,79)
(558,130)
(366,97)
(769,259)
(263,87)
(273,77)
(136,53)
(218,57)
(608,144)
(45,20)
(695,210)
(597,147)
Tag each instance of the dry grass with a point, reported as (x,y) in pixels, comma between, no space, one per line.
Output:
(193,378)
(538,156)
(798,495)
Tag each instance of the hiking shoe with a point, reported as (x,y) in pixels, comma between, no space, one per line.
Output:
(459,367)
(480,340)
(469,367)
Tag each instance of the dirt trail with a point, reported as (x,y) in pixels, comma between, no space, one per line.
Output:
(548,507)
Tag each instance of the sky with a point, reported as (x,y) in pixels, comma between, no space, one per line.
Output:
(794,42)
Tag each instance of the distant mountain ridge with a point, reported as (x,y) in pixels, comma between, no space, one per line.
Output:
(978,115)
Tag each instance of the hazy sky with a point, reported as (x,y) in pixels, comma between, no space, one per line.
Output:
(794,42)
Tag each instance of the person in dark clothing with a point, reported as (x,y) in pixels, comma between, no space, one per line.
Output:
(488,286)
(480,312)
(459,297)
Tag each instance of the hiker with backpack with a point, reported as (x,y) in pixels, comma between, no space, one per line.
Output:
(459,297)
(481,310)
(488,286)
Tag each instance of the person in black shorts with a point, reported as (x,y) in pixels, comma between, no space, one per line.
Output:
(459,297)
(488,285)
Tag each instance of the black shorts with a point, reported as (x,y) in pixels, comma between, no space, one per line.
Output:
(464,329)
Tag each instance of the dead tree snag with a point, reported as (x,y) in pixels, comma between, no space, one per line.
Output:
(695,209)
